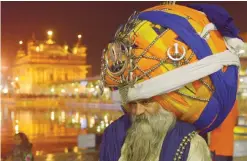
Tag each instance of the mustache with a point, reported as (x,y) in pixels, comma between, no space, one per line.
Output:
(141,118)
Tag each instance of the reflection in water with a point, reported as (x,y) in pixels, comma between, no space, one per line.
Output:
(52,130)
(98,129)
(75,150)
(66,150)
(73,120)
(62,116)
(102,124)
(16,126)
(12,115)
(77,117)
(49,157)
(52,116)
(92,122)
(106,118)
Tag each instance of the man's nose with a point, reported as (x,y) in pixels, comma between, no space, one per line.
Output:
(139,109)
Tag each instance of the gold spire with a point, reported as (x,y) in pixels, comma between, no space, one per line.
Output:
(50,34)
(20,42)
(20,52)
(79,39)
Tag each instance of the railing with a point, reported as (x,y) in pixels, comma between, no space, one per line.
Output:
(59,102)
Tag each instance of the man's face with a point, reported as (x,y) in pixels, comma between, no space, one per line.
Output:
(150,122)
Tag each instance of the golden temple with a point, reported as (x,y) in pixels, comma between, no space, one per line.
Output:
(44,63)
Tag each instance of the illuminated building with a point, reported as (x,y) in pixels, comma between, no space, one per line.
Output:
(44,63)
(242,92)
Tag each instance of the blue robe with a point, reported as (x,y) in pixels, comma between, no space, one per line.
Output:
(114,136)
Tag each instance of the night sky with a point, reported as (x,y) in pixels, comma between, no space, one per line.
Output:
(96,21)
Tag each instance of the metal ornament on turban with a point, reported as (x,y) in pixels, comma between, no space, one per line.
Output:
(185,58)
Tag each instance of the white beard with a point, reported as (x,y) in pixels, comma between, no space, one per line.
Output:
(145,136)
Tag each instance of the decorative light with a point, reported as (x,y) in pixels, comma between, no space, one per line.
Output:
(63,90)
(244,94)
(5,90)
(49,156)
(74,50)
(102,124)
(50,41)
(106,118)
(106,90)
(76,89)
(49,33)
(20,42)
(16,78)
(73,120)
(41,47)
(37,49)
(16,126)
(66,47)
(52,90)
(98,129)
(17,129)
(79,36)
(66,150)
(75,149)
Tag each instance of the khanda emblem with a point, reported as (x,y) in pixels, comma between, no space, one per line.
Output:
(117,58)
(177,55)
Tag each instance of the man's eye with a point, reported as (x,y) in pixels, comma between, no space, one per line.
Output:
(145,102)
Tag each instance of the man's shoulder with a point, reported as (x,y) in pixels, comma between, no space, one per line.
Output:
(182,128)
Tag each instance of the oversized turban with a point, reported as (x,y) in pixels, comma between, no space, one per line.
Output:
(185,58)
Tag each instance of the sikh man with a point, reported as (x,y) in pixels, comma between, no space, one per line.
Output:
(174,69)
